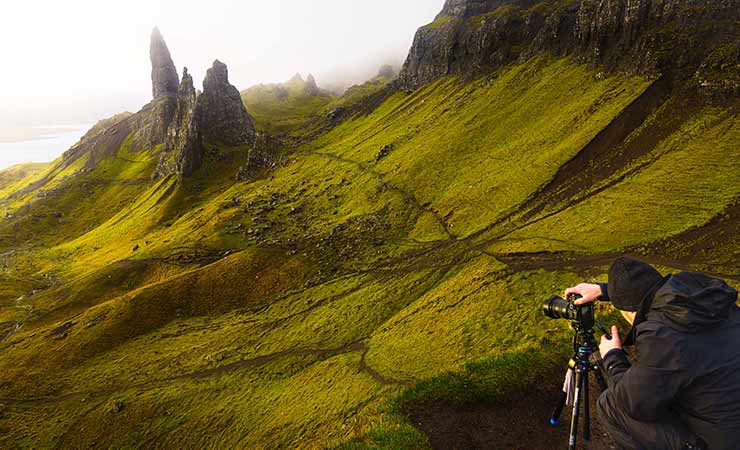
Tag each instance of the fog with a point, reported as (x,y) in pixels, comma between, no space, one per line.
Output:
(77,61)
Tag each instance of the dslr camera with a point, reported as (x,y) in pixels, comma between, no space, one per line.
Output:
(582,316)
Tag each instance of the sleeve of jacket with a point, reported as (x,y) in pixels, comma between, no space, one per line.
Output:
(645,389)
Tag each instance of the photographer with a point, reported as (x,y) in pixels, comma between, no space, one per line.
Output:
(683,392)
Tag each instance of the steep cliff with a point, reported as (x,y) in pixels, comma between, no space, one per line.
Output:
(681,39)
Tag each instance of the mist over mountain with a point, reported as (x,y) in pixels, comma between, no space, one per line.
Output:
(309,263)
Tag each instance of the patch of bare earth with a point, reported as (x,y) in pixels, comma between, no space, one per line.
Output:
(520,421)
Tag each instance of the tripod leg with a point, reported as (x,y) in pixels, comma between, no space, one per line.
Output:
(563,398)
(586,409)
(576,408)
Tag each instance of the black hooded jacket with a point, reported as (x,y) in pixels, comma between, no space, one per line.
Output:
(688,348)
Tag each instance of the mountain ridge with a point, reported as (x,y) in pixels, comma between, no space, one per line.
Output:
(682,40)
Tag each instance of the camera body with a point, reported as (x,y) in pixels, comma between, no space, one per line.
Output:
(582,316)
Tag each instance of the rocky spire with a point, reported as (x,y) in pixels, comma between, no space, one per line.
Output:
(222,117)
(297,78)
(183,136)
(311,88)
(164,75)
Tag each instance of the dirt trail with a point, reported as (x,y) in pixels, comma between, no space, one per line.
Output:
(409,197)
(197,375)
(28,310)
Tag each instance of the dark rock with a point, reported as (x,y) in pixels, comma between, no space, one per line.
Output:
(222,117)
(136,248)
(336,114)
(385,151)
(674,38)
(183,150)
(164,74)
(117,407)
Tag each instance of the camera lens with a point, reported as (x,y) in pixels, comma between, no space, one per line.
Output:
(557,308)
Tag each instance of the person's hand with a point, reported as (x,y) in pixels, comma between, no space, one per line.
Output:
(588,292)
(608,345)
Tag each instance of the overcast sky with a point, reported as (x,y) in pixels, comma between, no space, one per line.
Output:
(76,61)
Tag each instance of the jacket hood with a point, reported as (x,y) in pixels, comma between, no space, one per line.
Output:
(693,302)
(632,283)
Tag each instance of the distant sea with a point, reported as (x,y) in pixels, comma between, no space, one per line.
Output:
(38,144)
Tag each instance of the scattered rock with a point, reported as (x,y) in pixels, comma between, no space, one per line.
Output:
(384,151)
(117,407)
(263,155)
(136,248)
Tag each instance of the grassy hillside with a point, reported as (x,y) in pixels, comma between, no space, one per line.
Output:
(401,257)
(284,107)
(15,177)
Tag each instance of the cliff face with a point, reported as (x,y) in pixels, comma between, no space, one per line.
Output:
(650,37)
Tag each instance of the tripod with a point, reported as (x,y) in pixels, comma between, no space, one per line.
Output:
(584,346)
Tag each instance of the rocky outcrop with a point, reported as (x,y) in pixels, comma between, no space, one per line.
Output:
(222,117)
(262,156)
(164,74)
(149,125)
(217,116)
(671,38)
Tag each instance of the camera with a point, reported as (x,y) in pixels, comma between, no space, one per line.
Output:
(581,315)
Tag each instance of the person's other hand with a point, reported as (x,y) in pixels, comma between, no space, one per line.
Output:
(588,292)
(608,345)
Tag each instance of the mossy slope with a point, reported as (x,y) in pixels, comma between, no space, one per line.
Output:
(305,308)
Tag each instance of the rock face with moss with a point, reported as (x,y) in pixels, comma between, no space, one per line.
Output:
(164,74)
(183,150)
(221,114)
(263,155)
(648,37)
(216,116)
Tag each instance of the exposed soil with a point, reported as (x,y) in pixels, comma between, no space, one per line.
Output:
(518,422)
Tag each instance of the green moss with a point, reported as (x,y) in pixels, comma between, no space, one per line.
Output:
(284,108)
(438,22)
(701,152)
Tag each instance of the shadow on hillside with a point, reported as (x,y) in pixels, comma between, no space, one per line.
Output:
(518,422)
